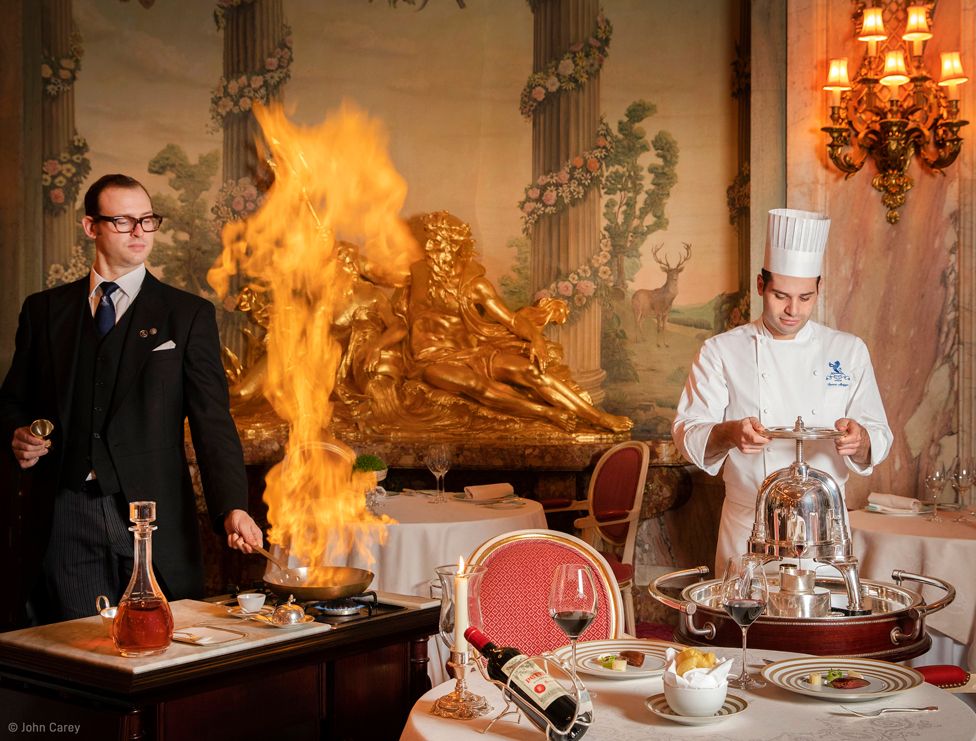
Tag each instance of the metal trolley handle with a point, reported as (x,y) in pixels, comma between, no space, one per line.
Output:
(583,703)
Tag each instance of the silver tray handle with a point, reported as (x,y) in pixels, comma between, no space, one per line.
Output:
(919,613)
(685,607)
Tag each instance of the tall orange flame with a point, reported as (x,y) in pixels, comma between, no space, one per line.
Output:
(333,182)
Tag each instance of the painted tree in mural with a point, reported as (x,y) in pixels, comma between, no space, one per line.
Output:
(193,243)
(632,211)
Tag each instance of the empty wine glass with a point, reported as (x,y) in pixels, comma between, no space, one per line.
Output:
(438,460)
(935,483)
(572,601)
(744,594)
(962,483)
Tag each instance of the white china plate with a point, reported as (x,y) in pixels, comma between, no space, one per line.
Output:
(587,653)
(239,612)
(266,620)
(884,679)
(462,497)
(892,512)
(733,705)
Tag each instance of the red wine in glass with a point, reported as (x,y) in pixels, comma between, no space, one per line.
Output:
(744,594)
(572,601)
(574,622)
(744,611)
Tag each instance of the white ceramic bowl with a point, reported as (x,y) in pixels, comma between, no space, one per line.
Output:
(695,702)
(251,601)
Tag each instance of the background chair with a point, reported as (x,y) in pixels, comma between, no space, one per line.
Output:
(515,589)
(613,503)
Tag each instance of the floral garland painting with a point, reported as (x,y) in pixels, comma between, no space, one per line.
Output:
(62,176)
(60,73)
(557,191)
(589,281)
(570,72)
(238,94)
(237,200)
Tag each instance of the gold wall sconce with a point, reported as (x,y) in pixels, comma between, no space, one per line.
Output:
(893,109)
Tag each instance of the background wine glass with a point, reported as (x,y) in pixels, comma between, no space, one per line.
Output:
(962,483)
(935,483)
(438,460)
(572,601)
(744,594)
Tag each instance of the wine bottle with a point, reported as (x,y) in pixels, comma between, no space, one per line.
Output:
(537,694)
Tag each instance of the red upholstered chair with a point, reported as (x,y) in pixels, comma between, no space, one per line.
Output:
(515,589)
(614,503)
(948,677)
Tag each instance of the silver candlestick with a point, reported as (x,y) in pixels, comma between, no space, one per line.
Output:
(460,703)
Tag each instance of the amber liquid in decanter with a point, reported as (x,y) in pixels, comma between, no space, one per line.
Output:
(143,625)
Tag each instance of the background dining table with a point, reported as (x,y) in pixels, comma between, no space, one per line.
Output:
(945,550)
(428,535)
(772,713)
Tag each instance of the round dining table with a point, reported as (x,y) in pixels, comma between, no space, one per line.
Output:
(427,535)
(771,714)
(945,550)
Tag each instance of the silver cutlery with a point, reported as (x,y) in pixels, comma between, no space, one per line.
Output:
(876,713)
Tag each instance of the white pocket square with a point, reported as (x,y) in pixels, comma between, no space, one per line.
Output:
(168,345)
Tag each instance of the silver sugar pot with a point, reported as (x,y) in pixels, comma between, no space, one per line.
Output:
(800,514)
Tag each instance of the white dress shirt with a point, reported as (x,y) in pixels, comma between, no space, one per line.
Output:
(129,287)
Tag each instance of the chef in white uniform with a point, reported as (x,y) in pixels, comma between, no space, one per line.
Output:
(773,370)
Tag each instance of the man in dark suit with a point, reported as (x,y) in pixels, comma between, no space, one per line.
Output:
(117,361)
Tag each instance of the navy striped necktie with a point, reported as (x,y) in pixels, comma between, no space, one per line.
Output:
(105,313)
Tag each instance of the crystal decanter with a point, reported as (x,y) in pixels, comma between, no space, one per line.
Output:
(143,625)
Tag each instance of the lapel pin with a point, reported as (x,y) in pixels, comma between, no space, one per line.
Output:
(152,330)
(143,333)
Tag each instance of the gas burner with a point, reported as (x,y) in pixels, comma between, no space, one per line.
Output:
(354,605)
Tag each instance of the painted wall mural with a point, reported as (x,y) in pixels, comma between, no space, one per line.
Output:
(167,89)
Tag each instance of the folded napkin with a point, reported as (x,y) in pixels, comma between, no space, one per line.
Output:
(696,678)
(893,501)
(489,491)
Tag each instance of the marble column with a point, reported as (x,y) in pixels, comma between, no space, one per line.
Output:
(561,129)
(57,126)
(251,33)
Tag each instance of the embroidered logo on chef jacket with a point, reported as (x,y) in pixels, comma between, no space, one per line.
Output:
(837,377)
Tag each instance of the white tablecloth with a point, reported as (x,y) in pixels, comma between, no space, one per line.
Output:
(945,550)
(772,714)
(430,535)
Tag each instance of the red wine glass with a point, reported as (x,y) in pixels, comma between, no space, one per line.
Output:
(744,594)
(572,601)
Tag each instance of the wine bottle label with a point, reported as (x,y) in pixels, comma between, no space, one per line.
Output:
(537,684)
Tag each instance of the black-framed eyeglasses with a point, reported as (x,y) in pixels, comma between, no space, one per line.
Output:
(125,224)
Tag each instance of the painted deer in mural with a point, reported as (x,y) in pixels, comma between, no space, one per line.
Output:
(658,301)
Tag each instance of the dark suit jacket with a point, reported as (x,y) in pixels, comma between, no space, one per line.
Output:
(155,392)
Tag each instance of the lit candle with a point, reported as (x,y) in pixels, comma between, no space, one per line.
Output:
(460,608)
(872,29)
(952,74)
(837,80)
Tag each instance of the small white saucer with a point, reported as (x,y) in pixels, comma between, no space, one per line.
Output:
(239,612)
(733,705)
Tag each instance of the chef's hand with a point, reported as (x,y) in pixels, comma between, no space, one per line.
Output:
(27,448)
(855,441)
(747,435)
(242,531)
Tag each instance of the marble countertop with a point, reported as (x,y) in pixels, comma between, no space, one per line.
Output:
(86,641)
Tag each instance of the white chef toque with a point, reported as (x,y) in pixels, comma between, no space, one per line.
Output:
(795,242)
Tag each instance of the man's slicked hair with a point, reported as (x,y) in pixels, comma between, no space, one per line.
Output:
(767,278)
(116,180)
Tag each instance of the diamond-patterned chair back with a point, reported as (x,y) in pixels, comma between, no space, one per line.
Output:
(515,589)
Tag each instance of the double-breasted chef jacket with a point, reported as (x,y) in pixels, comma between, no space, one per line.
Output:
(821,375)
